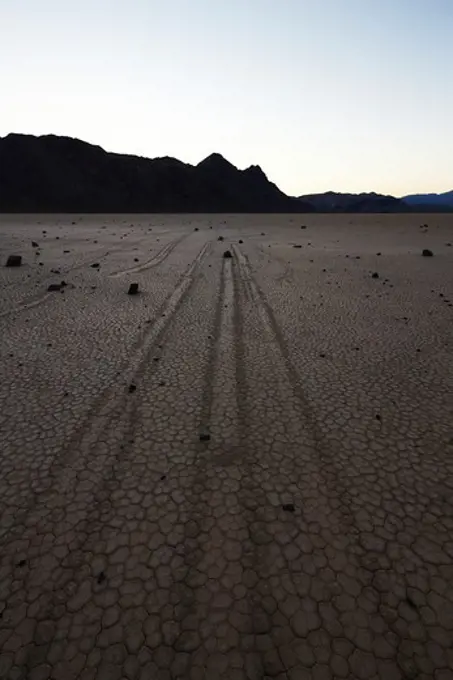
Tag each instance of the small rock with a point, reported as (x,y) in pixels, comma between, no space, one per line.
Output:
(135,259)
(227,254)
(427,253)
(101,577)
(288,507)
(54,271)
(14,261)
(66,251)
(95,265)
(296,245)
(132,388)
(21,563)
(54,287)
(303,226)
(133,289)
(196,229)
(220,238)
(205,437)
(374,275)
(378,254)
(240,241)
(34,244)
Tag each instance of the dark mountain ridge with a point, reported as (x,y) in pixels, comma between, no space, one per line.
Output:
(61,174)
(443,200)
(336,202)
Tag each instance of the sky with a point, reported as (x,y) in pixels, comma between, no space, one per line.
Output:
(343,95)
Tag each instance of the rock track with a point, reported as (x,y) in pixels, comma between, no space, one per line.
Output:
(219,520)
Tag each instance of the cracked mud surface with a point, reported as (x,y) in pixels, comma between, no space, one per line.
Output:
(274,499)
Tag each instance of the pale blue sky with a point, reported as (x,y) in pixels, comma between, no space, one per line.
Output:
(349,95)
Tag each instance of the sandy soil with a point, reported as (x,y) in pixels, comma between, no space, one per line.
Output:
(274,499)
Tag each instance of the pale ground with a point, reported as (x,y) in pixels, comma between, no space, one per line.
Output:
(312,535)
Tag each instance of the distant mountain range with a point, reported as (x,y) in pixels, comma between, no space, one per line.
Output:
(331,201)
(444,200)
(61,174)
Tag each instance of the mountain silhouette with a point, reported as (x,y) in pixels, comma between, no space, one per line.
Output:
(61,174)
(434,201)
(331,201)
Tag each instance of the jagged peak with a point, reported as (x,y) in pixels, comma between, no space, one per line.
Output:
(216,160)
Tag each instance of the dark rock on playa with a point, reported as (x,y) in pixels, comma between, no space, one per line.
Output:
(14,261)
(133,289)
(34,244)
(374,275)
(227,254)
(427,253)
(54,287)
(95,265)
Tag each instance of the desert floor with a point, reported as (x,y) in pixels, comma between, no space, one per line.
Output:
(274,499)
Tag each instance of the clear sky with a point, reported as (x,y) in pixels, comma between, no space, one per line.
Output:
(348,95)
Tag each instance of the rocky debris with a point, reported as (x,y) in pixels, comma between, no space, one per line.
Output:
(288,507)
(378,254)
(34,244)
(135,259)
(101,577)
(133,289)
(54,271)
(14,261)
(95,265)
(205,436)
(55,287)
(374,275)
(303,226)
(196,229)
(220,238)
(66,251)
(227,254)
(132,388)
(427,253)
(240,241)
(297,245)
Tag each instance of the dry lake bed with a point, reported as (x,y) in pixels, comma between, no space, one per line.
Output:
(243,472)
